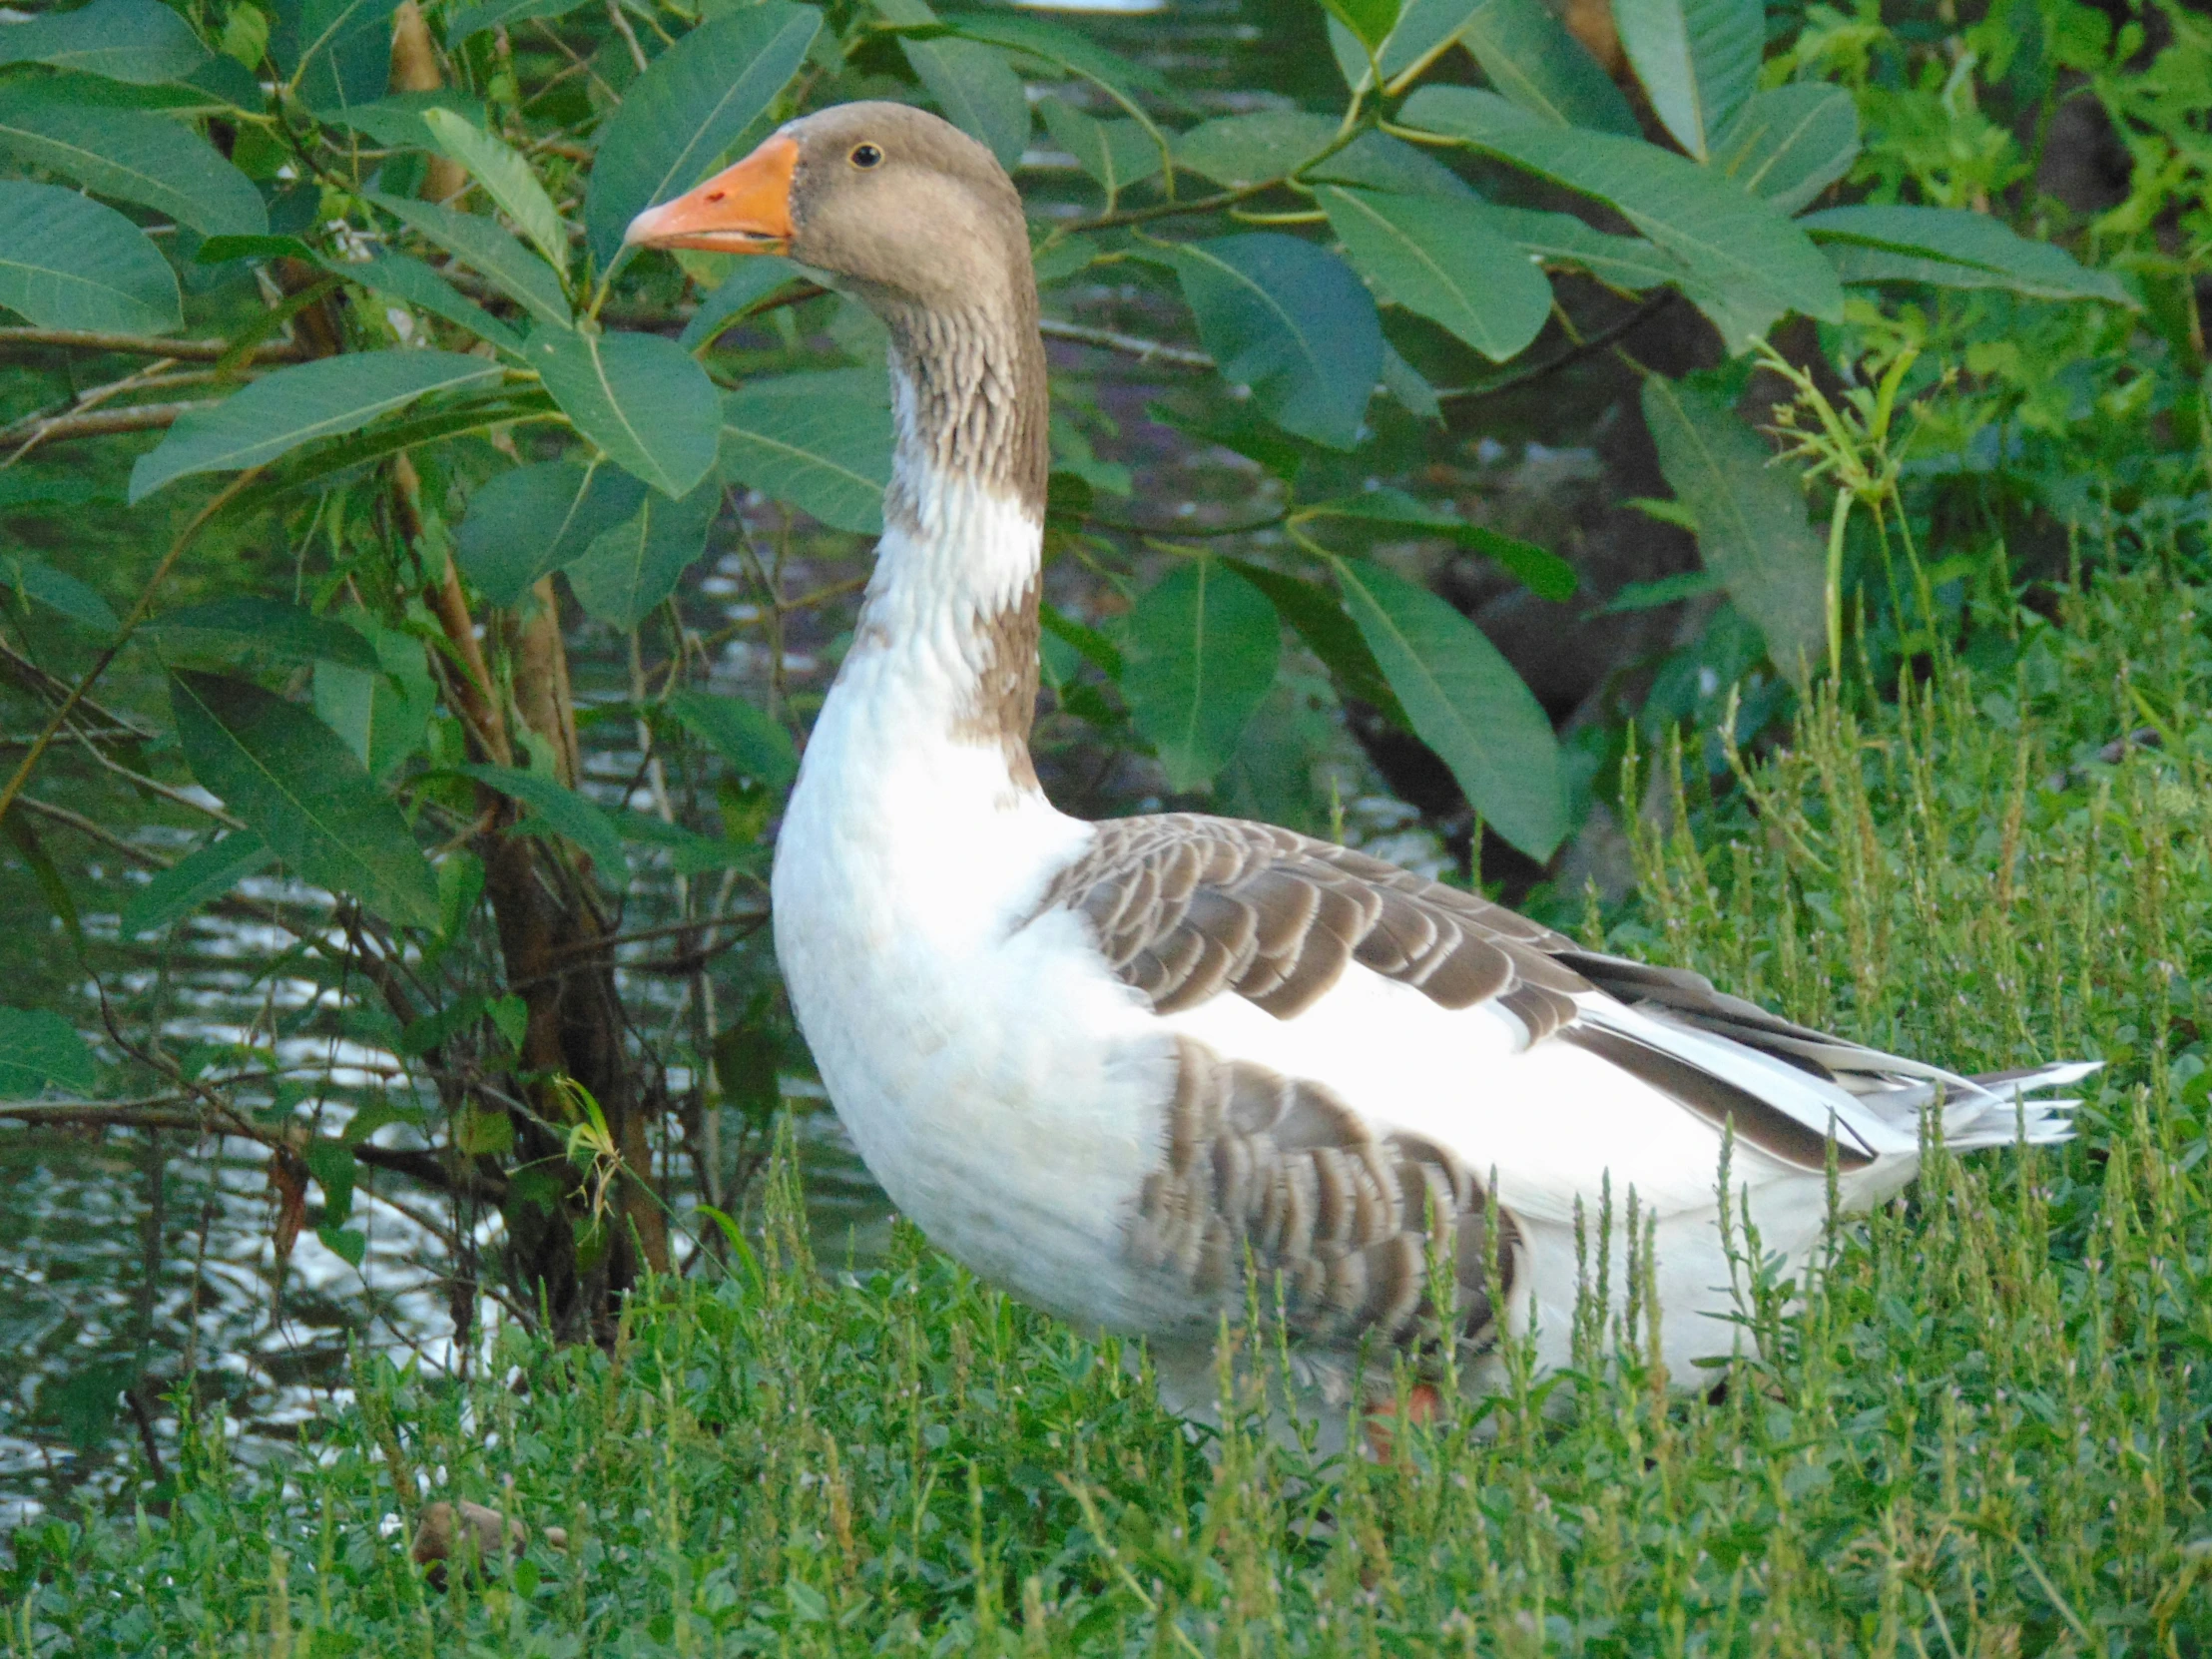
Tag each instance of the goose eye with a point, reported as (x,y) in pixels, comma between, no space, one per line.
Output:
(866,155)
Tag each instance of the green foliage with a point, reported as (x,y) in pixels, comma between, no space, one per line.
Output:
(293,406)
(1464,700)
(1199,654)
(69,263)
(304,792)
(38,1047)
(1750,520)
(686,110)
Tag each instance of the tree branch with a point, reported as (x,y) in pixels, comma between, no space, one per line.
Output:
(147,346)
(100,423)
(1133,345)
(122,635)
(1611,333)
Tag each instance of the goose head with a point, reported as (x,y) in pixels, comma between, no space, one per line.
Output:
(891,204)
(916,220)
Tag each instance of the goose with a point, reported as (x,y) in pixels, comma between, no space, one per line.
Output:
(1118,1068)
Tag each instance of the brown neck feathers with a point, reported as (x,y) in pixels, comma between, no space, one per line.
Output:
(981,407)
(977,410)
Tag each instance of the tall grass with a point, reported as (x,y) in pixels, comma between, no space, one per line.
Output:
(1981,1431)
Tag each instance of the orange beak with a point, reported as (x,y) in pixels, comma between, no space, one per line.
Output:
(746,209)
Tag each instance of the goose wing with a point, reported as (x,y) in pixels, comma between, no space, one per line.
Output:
(1186,908)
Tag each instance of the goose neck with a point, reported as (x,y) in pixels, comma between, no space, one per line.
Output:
(949,624)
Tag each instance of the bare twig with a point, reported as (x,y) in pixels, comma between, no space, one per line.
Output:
(749,917)
(629,36)
(148,346)
(100,423)
(122,635)
(44,683)
(1619,329)
(1133,345)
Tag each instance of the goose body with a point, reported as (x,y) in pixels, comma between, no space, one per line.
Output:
(1109,1065)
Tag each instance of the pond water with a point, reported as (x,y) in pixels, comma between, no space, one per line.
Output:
(125,1255)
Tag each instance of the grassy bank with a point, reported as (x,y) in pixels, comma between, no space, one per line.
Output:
(1984,1434)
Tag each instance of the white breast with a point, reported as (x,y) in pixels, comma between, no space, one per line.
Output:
(997,1080)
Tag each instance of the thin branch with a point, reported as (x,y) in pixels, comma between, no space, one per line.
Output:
(621,27)
(1168,210)
(1134,345)
(1616,330)
(98,423)
(148,346)
(749,917)
(122,635)
(44,683)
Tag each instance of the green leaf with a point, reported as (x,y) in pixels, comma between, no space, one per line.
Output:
(281,411)
(1242,150)
(380,711)
(349,1244)
(1319,616)
(642,399)
(690,106)
(334,52)
(1088,643)
(556,807)
(1726,240)
(331,1162)
(627,571)
(1409,387)
(1790,143)
(530,521)
(1198,655)
(979,91)
(1443,261)
(38,1047)
(506,179)
(1663,590)
(294,781)
(1377,161)
(132,156)
(472,20)
(1530,57)
(69,263)
(267,630)
(1292,323)
(1751,526)
(755,277)
(36,582)
(407,279)
(138,41)
(193,881)
(1951,247)
(1370,20)
(467,415)
(1117,154)
(754,745)
(48,877)
(397,122)
(519,273)
(1057,47)
(222,249)
(1563,239)
(1698,61)
(1465,703)
(820,442)
(1545,573)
